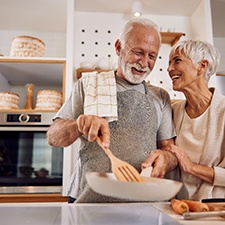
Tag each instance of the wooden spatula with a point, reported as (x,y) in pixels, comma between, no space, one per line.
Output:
(122,170)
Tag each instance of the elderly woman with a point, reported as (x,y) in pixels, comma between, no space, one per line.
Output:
(199,121)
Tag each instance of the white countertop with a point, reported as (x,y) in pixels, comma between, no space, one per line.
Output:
(95,214)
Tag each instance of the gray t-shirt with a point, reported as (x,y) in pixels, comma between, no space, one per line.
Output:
(73,107)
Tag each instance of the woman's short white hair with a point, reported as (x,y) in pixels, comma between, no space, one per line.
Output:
(197,51)
(137,22)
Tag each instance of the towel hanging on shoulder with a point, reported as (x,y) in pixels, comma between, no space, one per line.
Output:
(100,94)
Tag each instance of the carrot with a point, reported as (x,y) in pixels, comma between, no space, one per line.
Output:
(196,206)
(179,206)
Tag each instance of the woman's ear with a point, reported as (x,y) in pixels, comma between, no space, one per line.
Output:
(118,47)
(203,66)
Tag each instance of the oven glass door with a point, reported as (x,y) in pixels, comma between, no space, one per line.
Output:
(28,163)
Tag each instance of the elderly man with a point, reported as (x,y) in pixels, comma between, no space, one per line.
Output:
(139,130)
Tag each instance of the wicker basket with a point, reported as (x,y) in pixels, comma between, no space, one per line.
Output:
(27,46)
(9,100)
(49,99)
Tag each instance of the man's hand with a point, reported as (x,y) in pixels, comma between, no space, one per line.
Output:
(161,161)
(93,126)
(64,132)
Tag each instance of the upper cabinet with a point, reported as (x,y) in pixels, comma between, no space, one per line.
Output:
(43,73)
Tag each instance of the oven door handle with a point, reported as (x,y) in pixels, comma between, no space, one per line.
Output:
(23,128)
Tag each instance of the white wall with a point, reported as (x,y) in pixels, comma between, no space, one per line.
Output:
(55,42)
(4,84)
(96,33)
(219,43)
(219,81)
(201,22)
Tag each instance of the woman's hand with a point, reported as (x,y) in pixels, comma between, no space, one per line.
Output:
(184,161)
(203,172)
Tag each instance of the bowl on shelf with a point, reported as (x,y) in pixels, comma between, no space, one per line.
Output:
(87,65)
(103,64)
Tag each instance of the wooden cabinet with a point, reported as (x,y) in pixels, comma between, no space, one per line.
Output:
(8,198)
(171,37)
(221,73)
(79,71)
(48,72)
(42,72)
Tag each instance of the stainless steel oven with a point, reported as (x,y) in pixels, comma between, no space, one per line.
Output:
(27,163)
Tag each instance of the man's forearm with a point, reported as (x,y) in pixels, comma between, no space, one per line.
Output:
(62,133)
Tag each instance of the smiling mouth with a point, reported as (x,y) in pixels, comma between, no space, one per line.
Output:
(175,77)
(138,71)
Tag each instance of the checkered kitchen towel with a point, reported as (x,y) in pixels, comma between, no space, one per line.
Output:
(100,94)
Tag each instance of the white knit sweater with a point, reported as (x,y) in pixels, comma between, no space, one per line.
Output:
(214,148)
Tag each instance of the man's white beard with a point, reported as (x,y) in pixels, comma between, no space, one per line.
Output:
(127,72)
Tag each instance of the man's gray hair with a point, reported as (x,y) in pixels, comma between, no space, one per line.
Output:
(197,51)
(137,22)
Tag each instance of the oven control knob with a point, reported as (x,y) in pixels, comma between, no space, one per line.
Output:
(24,118)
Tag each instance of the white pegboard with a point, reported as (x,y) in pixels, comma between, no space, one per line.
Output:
(95,41)
(159,76)
(99,40)
(95,36)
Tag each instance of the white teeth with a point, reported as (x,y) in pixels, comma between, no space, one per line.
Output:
(175,77)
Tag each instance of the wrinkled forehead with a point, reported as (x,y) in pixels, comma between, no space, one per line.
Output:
(145,39)
(142,33)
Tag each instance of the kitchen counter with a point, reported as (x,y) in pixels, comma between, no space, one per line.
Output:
(158,213)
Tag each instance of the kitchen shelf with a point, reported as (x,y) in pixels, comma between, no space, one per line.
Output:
(33,70)
(15,198)
(39,71)
(220,73)
(26,110)
(170,37)
(79,71)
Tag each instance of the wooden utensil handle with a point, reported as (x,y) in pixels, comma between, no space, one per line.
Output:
(107,150)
